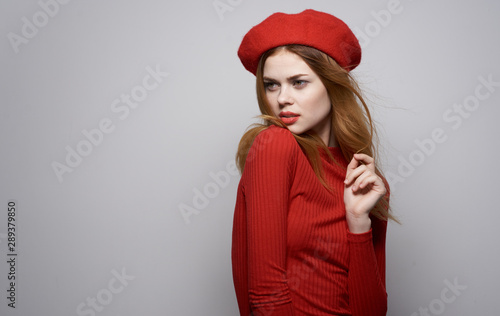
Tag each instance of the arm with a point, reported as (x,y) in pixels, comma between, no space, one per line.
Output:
(367,292)
(269,172)
(366,235)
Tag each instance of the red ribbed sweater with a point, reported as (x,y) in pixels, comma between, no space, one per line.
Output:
(292,253)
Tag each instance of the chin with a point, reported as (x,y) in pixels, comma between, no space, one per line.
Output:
(296,129)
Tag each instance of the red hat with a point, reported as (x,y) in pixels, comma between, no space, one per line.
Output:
(312,28)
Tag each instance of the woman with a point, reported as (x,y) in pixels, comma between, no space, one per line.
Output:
(312,207)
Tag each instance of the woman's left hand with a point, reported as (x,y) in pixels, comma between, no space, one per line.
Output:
(363,188)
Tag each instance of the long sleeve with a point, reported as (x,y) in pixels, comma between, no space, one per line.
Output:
(291,251)
(367,292)
(268,173)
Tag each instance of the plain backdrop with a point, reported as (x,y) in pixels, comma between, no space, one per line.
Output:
(119,122)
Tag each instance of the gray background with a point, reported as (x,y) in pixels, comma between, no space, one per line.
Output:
(118,211)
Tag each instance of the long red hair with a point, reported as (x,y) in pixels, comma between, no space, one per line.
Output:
(351,120)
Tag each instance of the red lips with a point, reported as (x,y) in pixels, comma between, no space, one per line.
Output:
(289,117)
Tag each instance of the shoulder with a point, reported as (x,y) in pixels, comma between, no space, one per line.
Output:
(274,140)
(275,134)
(272,158)
(273,149)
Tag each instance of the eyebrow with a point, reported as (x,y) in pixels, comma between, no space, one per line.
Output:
(291,78)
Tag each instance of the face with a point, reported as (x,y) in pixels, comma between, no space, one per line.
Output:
(296,94)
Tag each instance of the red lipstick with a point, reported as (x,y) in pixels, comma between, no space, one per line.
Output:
(289,117)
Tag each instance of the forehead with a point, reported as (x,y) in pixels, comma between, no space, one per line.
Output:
(285,64)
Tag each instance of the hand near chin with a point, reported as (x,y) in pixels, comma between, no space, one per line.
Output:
(363,188)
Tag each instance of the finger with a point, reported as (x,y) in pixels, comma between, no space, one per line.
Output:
(352,175)
(365,159)
(353,164)
(365,180)
(350,167)
(360,178)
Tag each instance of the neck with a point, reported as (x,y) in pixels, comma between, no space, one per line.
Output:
(332,142)
(326,134)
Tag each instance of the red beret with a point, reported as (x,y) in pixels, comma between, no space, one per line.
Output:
(312,28)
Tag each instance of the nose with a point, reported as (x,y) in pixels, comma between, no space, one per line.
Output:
(284,96)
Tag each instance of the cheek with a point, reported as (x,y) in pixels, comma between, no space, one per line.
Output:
(323,101)
(319,102)
(273,104)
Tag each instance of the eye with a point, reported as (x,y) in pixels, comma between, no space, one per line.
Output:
(299,83)
(270,86)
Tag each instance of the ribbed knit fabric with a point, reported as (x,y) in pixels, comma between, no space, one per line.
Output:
(292,253)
